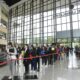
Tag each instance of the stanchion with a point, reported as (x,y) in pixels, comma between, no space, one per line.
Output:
(26,76)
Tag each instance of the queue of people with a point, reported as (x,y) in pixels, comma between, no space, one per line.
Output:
(49,55)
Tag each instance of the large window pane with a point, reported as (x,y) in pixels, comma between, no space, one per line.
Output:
(75,25)
(58,20)
(74,17)
(58,27)
(68,26)
(64,27)
(63,19)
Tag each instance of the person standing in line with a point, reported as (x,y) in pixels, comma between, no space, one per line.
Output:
(46,57)
(43,52)
(26,62)
(53,52)
(57,54)
(38,50)
(12,52)
(48,52)
(34,60)
(18,51)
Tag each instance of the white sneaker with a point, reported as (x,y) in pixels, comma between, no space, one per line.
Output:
(10,77)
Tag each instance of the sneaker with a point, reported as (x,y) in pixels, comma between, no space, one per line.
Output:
(10,78)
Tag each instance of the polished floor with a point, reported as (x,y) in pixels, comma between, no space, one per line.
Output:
(61,70)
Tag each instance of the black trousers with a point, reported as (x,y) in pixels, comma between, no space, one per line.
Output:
(38,64)
(50,60)
(44,60)
(26,65)
(33,64)
(55,57)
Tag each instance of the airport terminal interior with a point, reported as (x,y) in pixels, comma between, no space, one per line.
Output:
(39,39)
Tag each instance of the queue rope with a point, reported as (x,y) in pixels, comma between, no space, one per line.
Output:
(29,58)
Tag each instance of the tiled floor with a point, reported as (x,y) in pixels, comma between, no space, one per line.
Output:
(58,71)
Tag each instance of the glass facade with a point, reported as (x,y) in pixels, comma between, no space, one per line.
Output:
(43,21)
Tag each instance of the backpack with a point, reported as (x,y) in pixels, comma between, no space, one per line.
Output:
(42,52)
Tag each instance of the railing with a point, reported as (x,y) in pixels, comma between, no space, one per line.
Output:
(3,57)
(4,22)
